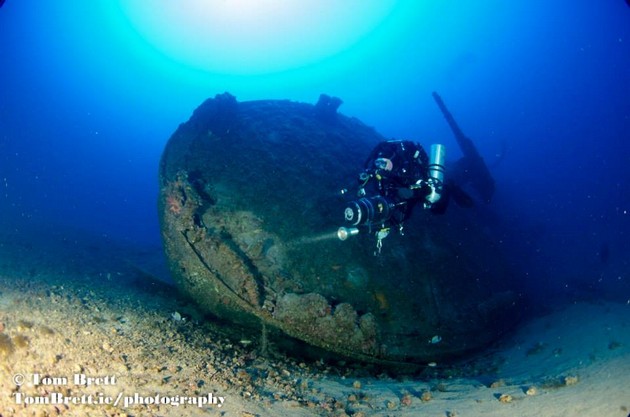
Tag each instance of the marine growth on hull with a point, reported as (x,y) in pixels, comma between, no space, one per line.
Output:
(250,207)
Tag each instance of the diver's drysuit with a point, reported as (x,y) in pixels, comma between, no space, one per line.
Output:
(397,176)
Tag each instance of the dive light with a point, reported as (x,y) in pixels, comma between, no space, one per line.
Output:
(344,233)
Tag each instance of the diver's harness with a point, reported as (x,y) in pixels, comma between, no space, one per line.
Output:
(384,210)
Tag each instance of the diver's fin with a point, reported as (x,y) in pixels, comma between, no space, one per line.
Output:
(461,197)
(477,173)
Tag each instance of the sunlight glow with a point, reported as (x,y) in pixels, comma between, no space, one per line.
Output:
(253,36)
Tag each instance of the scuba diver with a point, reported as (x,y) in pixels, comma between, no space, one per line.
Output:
(398,175)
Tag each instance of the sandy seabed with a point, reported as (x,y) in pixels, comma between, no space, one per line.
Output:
(86,331)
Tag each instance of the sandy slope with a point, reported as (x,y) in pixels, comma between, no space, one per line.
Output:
(70,316)
(573,362)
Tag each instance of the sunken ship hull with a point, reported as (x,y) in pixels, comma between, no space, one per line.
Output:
(249,206)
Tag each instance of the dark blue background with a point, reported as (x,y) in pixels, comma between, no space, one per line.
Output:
(86,107)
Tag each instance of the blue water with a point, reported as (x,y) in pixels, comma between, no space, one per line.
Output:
(90,93)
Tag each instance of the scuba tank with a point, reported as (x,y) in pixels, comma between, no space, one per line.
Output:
(436,174)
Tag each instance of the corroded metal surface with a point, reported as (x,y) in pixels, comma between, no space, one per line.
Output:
(249,207)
